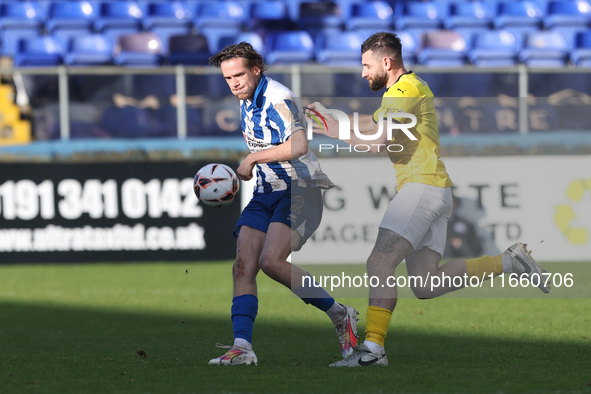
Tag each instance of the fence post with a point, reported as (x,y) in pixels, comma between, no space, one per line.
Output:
(523,99)
(296,80)
(181,102)
(64,103)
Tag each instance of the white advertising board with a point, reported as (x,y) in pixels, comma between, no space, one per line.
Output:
(544,201)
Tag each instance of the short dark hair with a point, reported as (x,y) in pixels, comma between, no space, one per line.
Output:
(384,43)
(243,50)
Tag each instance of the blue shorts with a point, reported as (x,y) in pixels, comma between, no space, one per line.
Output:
(300,209)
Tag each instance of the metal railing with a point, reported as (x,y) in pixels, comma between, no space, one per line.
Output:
(295,71)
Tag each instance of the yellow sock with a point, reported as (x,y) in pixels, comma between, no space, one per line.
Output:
(484,266)
(378,320)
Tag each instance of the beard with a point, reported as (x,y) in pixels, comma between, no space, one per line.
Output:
(378,82)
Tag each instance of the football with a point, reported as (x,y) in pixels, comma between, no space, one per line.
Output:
(216,185)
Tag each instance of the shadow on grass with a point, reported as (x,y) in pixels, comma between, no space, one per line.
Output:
(50,349)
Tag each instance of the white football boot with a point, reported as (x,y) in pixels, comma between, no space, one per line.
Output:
(234,356)
(362,357)
(347,331)
(524,264)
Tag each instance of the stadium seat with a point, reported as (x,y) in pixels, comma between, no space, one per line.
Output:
(142,50)
(444,48)
(417,15)
(519,18)
(252,38)
(161,14)
(65,35)
(315,17)
(522,14)
(289,47)
(265,16)
(544,49)
(189,49)
(69,15)
(113,33)
(468,15)
(88,50)
(495,48)
(338,49)
(20,15)
(581,53)
(372,15)
(346,7)
(118,15)
(409,48)
(11,37)
(294,7)
(165,32)
(217,14)
(568,13)
(38,52)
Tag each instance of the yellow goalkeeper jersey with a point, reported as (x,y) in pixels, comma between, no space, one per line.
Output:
(419,160)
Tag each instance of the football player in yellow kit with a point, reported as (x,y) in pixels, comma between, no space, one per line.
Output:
(414,225)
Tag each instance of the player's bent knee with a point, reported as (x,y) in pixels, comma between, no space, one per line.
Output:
(268,265)
(422,293)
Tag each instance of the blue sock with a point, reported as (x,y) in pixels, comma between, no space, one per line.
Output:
(312,293)
(244,311)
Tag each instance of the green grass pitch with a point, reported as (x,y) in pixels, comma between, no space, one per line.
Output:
(151,328)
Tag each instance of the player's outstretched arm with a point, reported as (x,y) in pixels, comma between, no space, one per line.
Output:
(295,146)
(365,126)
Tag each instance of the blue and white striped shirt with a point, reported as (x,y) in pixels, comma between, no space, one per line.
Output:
(268,120)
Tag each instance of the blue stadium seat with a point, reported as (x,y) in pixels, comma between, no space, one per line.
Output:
(65,35)
(113,33)
(38,52)
(444,48)
(289,47)
(581,53)
(189,49)
(217,19)
(161,14)
(118,15)
(294,7)
(139,50)
(70,15)
(372,15)
(493,49)
(88,50)
(315,17)
(409,48)
(468,15)
(165,32)
(252,38)
(11,37)
(217,14)
(524,14)
(20,15)
(519,18)
(265,16)
(338,49)
(544,49)
(568,13)
(346,7)
(417,15)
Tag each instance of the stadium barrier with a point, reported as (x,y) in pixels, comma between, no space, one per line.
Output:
(544,201)
(109,212)
(125,102)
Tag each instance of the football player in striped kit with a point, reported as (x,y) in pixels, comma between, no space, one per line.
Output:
(286,207)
